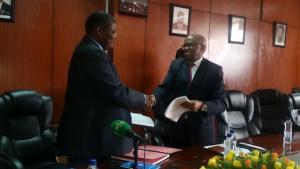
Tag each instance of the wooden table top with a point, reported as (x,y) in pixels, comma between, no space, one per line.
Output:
(195,157)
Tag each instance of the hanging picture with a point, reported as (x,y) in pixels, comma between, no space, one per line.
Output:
(7,10)
(179,20)
(279,34)
(134,7)
(236,30)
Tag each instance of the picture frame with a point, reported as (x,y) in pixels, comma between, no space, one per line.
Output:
(236,29)
(7,11)
(279,34)
(179,22)
(134,7)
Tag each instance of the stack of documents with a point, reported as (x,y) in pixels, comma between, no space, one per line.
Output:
(175,110)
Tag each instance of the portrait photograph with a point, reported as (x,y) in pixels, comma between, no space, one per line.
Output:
(236,30)
(279,34)
(179,19)
(7,10)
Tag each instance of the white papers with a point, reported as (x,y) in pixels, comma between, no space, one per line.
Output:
(253,146)
(142,120)
(221,151)
(175,110)
(214,145)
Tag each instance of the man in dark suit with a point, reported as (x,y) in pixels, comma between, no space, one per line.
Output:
(202,82)
(5,9)
(95,98)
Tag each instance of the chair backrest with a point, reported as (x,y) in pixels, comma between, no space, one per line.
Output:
(24,119)
(239,113)
(295,111)
(295,90)
(161,133)
(271,107)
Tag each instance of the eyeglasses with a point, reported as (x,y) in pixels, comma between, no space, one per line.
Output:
(189,45)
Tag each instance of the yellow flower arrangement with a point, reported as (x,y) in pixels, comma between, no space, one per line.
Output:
(253,160)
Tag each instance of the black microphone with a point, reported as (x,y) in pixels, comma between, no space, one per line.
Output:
(121,128)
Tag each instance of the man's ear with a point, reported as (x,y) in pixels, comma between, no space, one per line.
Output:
(99,30)
(203,48)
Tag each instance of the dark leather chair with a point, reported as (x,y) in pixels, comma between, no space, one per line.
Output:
(239,114)
(295,110)
(271,108)
(159,134)
(295,90)
(7,162)
(24,133)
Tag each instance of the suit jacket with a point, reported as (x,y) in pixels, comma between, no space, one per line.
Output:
(176,26)
(95,97)
(207,86)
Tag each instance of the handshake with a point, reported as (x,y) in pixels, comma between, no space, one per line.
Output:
(150,101)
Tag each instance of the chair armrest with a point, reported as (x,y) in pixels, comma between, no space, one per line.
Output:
(10,162)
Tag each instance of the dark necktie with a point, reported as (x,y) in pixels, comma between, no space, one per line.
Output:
(190,73)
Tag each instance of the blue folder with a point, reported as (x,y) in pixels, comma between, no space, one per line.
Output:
(140,165)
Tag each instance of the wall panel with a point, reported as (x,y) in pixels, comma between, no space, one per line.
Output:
(26,48)
(129,49)
(282,10)
(195,4)
(277,66)
(239,61)
(298,61)
(69,20)
(160,48)
(250,9)
(200,25)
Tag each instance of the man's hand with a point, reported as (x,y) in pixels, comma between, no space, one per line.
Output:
(150,102)
(193,105)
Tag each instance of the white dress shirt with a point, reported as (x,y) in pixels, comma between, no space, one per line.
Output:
(196,66)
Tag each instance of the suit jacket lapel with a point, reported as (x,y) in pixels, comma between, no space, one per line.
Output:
(185,71)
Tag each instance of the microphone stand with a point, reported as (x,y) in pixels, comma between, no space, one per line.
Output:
(135,152)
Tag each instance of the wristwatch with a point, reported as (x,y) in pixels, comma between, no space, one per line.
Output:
(203,107)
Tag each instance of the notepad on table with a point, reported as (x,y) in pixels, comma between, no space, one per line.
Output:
(151,157)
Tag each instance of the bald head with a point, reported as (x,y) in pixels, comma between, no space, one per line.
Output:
(196,39)
(194,47)
(98,19)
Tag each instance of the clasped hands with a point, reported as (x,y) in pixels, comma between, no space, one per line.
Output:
(150,102)
(192,105)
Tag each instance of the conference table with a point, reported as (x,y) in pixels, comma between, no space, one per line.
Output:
(195,157)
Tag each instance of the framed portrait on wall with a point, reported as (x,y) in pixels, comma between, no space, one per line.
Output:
(279,34)
(7,10)
(236,29)
(180,16)
(134,7)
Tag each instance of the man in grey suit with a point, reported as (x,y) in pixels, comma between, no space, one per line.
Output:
(202,82)
(96,97)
